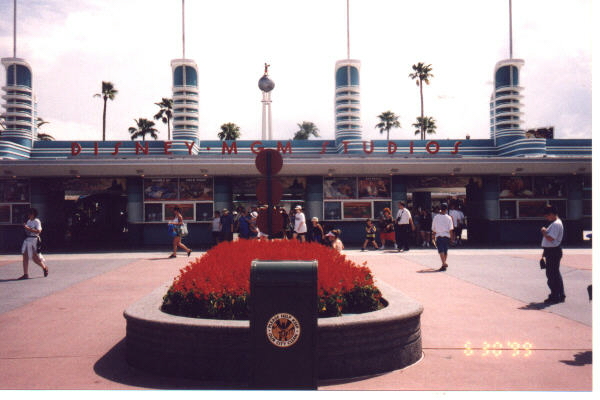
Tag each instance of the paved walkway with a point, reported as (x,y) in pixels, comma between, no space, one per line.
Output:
(484,327)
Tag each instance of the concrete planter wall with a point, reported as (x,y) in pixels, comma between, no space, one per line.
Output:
(217,351)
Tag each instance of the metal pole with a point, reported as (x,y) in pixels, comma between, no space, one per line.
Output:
(348,28)
(183,26)
(510,28)
(15,29)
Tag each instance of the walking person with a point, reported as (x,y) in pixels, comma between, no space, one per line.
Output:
(226,226)
(404,225)
(442,230)
(300,228)
(425,228)
(29,249)
(176,224)
(458,218)
(387,229)
(370,231)
(551,243)
(316,231)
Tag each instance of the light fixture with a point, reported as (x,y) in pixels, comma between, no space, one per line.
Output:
(330,171)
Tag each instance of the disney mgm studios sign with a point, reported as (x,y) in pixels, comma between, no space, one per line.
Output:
(232,148)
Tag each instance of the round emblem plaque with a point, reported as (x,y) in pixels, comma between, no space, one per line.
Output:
(283,330)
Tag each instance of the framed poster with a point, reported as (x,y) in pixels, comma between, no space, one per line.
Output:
(154,212)
(374,188)
(339,188)
(160,189)
(196,189)
(357,210)
(14,190)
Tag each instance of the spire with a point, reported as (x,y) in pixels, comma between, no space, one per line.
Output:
(15,29)
(348,28)
(510,28)
(182,27)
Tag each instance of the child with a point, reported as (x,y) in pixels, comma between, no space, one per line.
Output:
(334,239)
(370,235)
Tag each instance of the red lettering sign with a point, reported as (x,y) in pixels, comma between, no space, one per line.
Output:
(256,150)
(345,143)
(117,145)
(365,147)
(392,147)
(95,148)
(75,148)
(323,146)
(167,145)
(139,147)
(288,147)
(456,144)
(189,146)
(432,143)
(225,147)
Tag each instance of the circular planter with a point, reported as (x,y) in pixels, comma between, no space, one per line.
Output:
(217,350)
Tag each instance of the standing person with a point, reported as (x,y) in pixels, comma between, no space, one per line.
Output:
(243,224)
(405,226)
(387,229)
(316,231)
(29,249)
(370,230)
(226,226)
(177,222)
(253,226)
(457,219)
(442,230)
(300,225)
(551,243)
(216,228)
(425,228)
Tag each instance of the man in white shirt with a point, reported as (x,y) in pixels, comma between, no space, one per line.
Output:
(442,229)
(551,243)
(300,225)
(404,225)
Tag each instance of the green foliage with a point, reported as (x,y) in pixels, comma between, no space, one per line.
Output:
(229,131)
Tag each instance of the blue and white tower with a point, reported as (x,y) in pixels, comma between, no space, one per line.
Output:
(348,127)
(19,107)
(505,101)
(185,96)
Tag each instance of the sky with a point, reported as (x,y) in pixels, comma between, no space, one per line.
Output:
(73,46)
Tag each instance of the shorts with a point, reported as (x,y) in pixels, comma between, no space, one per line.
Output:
(442,243)
(30,247)
(391,236)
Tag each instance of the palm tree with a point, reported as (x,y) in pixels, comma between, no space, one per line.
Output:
(108,93)
(43,136)
(425,125)
(421,74)
(388,120)
(229,131)
(306,130)
(144,127)
(165,113)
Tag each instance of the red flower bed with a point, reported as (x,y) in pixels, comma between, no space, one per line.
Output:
(217,285)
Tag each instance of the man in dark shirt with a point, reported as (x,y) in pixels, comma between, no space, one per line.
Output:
(227,225)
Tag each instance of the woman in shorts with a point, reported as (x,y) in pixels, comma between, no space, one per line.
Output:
(29,249)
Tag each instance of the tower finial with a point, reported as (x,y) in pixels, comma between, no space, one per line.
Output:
(510,28)
(15,29)
(348,29)
(183,26)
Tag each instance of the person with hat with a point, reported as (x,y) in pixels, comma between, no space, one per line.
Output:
(442,230)
(333,237)
(300,225)
(316,232)
(226,225)
(552,236)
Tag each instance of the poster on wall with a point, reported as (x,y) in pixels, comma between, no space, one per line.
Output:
(515,186)
(374,188)
(358,210)
(339,188)
(160,189)
(14,190)
(204,212)
(75,188)
(196,189)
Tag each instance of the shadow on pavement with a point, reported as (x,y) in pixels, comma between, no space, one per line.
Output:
(113,366)
(580,359)
(535,306)
(429,270)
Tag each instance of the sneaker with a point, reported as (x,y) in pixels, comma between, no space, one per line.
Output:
(362,249)
(382,248)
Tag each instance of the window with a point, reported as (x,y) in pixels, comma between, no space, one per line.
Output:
(194,196)
(355,197)
(14,201)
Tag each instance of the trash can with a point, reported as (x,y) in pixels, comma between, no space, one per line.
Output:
(283,325)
